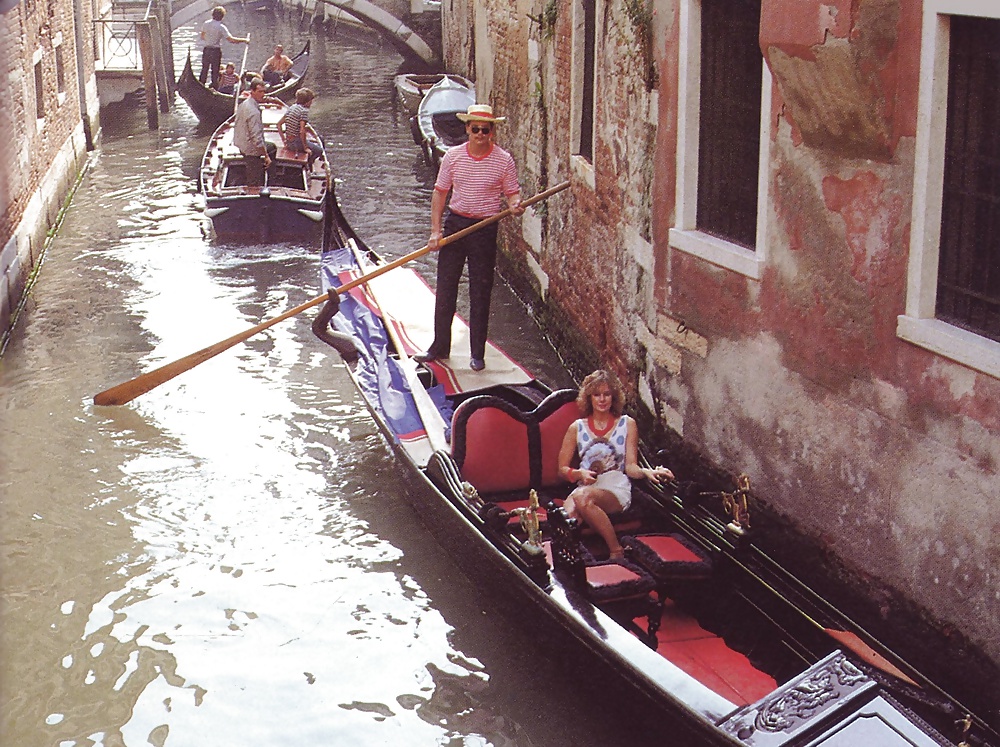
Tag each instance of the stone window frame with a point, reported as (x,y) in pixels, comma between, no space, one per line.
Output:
(918,324)
(685,235)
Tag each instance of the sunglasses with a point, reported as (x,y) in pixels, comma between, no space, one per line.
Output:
(477,129)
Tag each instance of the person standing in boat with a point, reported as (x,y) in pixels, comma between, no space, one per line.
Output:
(213,31)
(478,174)
(292,127)
(275,69)
(248,136)
(606,442)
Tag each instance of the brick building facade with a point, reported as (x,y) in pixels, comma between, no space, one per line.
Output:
(47,122)
(781,235)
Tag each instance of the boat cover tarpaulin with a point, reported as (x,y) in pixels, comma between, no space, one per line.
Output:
(382,378)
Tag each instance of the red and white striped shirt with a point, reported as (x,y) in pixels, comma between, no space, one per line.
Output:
(477,184)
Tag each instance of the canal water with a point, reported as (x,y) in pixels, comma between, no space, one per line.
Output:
(232,558)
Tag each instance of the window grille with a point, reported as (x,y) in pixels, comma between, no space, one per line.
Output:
(968,292)
(729,120)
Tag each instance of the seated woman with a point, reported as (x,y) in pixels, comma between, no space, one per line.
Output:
(607,444)
(228,80)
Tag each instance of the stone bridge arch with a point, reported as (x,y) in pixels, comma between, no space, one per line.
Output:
(403,39)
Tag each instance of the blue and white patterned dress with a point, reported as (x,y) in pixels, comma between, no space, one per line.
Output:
(605,455)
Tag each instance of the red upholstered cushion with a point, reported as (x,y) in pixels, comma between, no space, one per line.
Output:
(609,575)
(669,549)
(496,452)
(553,431)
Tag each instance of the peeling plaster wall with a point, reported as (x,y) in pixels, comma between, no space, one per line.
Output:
(886,453)
(881,451)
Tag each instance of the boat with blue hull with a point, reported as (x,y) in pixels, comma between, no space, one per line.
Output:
(290,205)
(711,640)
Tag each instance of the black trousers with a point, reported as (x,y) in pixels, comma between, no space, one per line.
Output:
(255,165)
(211,62)
(479,250)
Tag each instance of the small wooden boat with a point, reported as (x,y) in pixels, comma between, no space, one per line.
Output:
(290,206)
(213,108)
(435,127)
(718,643)
(411,87)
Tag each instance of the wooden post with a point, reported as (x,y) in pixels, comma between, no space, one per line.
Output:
(159,64)
(164,9)
(148,73)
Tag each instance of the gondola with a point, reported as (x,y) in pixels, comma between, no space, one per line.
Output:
(435,128)
(213,108)
(290,206)
(411,87)
(713,640)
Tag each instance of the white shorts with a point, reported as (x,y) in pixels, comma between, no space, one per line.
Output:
(616,483)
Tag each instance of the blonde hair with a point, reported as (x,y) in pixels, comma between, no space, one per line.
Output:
(304,95)
(590,385)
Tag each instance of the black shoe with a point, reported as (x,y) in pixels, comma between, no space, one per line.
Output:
(427,357)
(477,364)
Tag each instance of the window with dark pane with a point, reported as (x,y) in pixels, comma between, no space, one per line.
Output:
(729,128)
(587,104)
(60,71)
(39,91)
(968,292)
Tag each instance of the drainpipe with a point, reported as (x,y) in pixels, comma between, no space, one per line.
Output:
(80,72)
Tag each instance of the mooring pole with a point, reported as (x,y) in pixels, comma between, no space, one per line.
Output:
(156,38)
(148,73)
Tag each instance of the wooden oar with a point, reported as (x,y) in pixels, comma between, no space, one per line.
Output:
(126,392)
(239,84)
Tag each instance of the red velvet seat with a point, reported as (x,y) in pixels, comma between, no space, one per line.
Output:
(501,449)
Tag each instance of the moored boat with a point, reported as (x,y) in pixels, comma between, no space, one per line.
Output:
(698,624)
(411,87)
(213,108)
(290,205)
(435,127)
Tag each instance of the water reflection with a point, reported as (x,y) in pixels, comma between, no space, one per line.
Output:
(232,558)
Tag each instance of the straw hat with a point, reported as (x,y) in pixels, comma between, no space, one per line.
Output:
(479,113)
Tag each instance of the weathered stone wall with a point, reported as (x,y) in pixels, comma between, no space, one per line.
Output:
(40,156)
(886,452)
(878,450)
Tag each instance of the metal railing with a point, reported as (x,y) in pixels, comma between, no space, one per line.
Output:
(116,38)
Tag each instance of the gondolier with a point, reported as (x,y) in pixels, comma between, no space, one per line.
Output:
(213,31)
(478,174)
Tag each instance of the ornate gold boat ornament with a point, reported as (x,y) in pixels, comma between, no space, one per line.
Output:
(737,505)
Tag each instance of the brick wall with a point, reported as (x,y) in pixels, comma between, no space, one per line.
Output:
(41,151)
